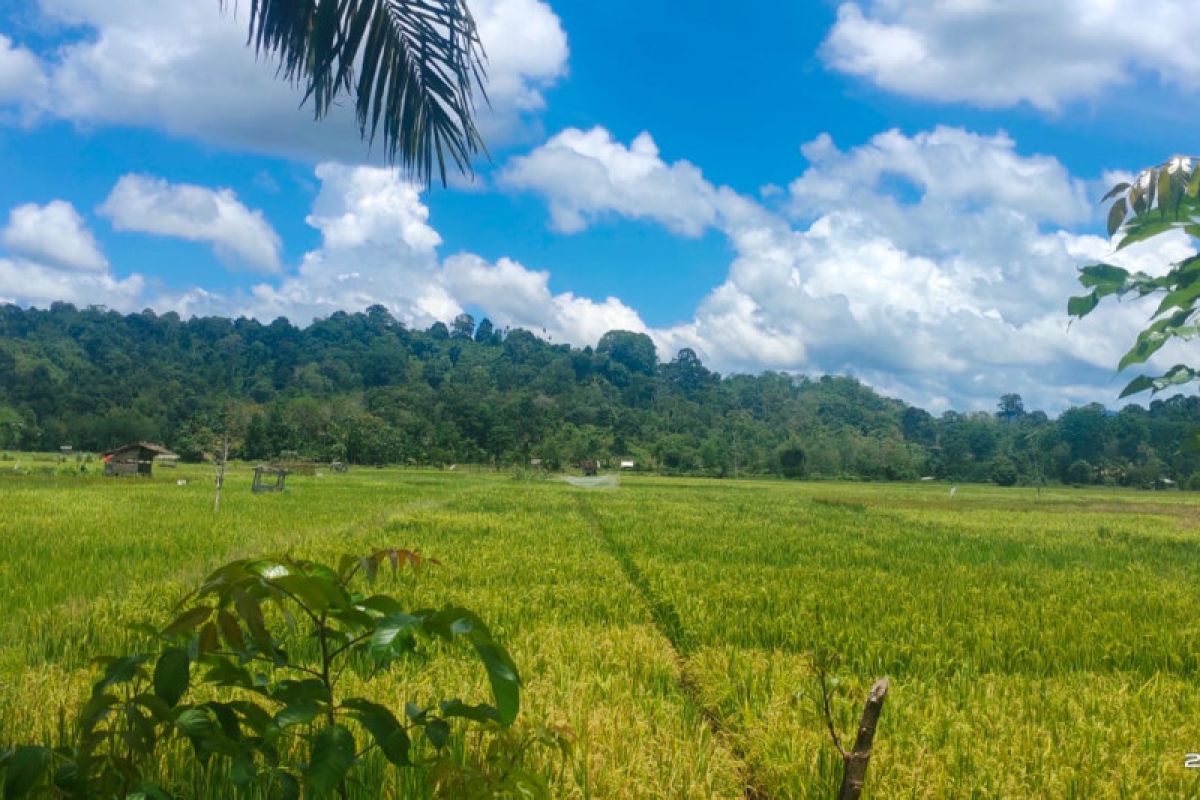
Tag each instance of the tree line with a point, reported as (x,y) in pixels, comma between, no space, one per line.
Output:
(364,388)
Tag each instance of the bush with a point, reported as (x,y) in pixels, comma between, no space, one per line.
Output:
(792,460)
(1004,472)
(1080,473)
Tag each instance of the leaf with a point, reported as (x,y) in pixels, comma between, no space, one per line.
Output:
(242,770)
(316,593)
(148,791)
(332,757)
(171,675)
(1082,305)
(230,630)
(119,670)
(1116,215)
(501,670)
(1114,191)
(383,726)
(1145,347)
(502,674)
(188,621)
(155,705)
(382,604)
(1139,229)
(392,633)
(96,709)
(292,691)
(481,713)
(1166,194)
(437,731)
(68,780)
(1175,376)
(416,713)
(1184,297)
(210,641)
(23,769)
(250,611)
(1103,275)
(225,673)
(139,733)
(289,787)
(253,716)
(1139,384)
(226,718)
(300,712)
(353,618)
(195,723)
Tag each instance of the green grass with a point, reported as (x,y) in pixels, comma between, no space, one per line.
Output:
(1036,648)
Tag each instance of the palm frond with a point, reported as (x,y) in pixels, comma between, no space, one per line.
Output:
(412,65)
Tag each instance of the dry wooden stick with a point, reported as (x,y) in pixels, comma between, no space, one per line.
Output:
(855,762)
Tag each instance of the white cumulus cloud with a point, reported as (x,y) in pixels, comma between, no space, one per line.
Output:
(31,283)
(1000,53)
(21,77)
(239,236)
(517,297)
(937,264)
(54,234)
(377,247)
(585,175)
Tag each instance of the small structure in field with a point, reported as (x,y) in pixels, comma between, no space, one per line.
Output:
(338,466)
(535,463)
(136,458)
(627,463)
(269,479)
(593,482)
(589,467)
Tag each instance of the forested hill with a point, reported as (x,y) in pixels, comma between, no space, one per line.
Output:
(364,388)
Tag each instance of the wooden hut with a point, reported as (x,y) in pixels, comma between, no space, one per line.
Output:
(135,459)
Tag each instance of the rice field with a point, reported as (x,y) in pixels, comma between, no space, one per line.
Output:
(1036,647)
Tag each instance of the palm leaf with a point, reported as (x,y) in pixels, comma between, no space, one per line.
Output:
(413,67)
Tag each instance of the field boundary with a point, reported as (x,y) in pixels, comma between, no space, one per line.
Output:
(670,625)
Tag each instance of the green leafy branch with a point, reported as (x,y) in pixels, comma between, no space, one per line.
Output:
(1159,200)
(280,722)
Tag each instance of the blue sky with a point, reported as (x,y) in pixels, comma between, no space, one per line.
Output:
(900,191)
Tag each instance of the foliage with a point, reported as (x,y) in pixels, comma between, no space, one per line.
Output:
(1080,473)
(1160,200)
(411,65)
(365,389)
(266,705)
(791,460)
(1004,472)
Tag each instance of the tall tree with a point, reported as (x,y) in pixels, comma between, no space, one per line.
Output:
(1011,407)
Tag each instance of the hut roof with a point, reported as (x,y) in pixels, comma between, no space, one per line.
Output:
(143,448)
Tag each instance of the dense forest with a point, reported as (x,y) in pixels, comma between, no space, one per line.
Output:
(364,388)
